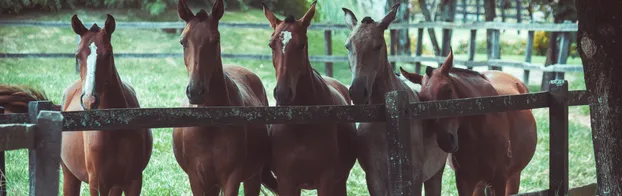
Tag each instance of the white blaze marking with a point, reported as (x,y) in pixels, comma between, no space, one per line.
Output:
(89,84)
(285,37)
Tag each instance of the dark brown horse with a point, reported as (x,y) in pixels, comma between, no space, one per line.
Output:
(220,157)
(15,99)
(307,156)
(490,149)
(109,161)
(373,77)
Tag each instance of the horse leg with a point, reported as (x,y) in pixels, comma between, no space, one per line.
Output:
(498,186)
(433,185)
(232,185)
(71,184)
(116,191)
(340,187)
(465,183)
(375,184)
(287,187)
(513,184)
(133,189)
(252,186)
(198,186)
(96,187)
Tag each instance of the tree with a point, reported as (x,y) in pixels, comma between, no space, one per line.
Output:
(599,44)
(431,33)
(400,36)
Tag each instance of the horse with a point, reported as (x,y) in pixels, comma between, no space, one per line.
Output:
(307,156)
(15,99)
(488,149)
(220,157)
(373,77)
(111,162)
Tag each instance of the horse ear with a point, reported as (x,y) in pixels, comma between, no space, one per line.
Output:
(184,11)
(270,16)
(429,70)
(350,18)
(77,25)
(306,19)
(413,77)
(110,24)
(218,9)
(449,62)
(384,23)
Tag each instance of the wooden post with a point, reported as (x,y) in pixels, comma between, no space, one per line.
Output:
(328,50)
(477,11)
(495,49)
(34,108)
(464,11)
(77,45)
(528,54)
(502,6)
(562,58)
(44,173)
(2,167)
(558,134)
(472,47)
(393,45)
(401,179)
(419,49)
(519,15)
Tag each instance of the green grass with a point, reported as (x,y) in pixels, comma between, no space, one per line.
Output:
(161,83)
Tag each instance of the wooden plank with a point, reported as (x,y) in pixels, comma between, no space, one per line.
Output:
(495,49)
(576,98)
(586,190)
(419,49)
(328,50)
(14,118)
(548,27)
(475,106)
(46,159)
(401,179)
(16,136)
(528,54)
(111,119)
(2,167)
(472,46)
(558,134)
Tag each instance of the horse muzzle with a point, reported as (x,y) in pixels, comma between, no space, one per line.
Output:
(196,94)
(283,95)
(359,92)
(89,102)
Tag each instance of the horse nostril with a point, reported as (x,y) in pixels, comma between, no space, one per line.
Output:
(188,91)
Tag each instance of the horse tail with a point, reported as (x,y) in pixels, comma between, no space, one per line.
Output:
(268,180)
(16,98)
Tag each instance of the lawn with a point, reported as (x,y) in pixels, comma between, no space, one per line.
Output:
(161,83)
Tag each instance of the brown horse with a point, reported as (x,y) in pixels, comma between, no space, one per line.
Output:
(15,99)
(493,148)
(109,161)
(373,77)
(307,156)
(220,157)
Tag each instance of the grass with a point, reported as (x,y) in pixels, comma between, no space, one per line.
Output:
(161,83)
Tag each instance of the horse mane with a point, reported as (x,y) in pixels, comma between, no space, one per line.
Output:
(202,15)
(367,20)
(95,28)
(16,98)
(290,19)
(467,72)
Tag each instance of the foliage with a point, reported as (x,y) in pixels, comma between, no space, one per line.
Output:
(540,42)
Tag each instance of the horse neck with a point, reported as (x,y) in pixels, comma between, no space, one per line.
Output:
(113,89)
(223,90)
(386,81)
(468,86)
(312,90)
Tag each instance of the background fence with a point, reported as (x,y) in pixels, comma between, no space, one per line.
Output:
(396,112)
(494,58)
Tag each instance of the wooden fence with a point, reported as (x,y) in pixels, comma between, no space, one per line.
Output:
(493,61)
(396,112)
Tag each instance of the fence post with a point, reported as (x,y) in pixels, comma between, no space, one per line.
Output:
(495,48)
(419,49)
(472,47)
(528,54)
(2,168)
(34,107)
(393,46)
(46,154)
(77,45)
(328,50)
(477,11)
(464,11)
(558,134)
(401,181)
(564,45)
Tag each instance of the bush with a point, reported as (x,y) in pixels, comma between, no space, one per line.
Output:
(540,42)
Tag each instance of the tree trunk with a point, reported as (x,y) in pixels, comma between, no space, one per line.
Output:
(400,41)
(563,10)
(431,33)
(448,8)
(599,44)
(490,13)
